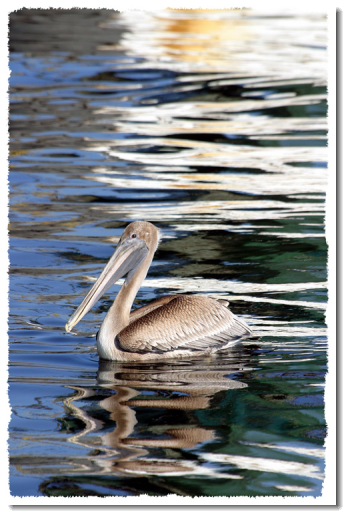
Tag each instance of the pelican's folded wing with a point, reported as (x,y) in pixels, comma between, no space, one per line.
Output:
(185,322)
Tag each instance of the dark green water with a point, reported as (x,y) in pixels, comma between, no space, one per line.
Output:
(213,127)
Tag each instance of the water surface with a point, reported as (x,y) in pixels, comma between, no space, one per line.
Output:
(211,125)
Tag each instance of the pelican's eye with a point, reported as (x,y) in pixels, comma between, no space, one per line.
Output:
(133,235)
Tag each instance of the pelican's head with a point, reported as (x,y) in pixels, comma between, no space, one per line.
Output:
(138,240)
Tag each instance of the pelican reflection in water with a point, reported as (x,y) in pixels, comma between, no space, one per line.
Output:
(170,327)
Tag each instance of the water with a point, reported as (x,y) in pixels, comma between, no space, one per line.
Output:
(211,125)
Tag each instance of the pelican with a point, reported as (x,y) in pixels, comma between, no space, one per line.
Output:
(172,326)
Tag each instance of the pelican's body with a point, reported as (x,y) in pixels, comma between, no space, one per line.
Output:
(172,326)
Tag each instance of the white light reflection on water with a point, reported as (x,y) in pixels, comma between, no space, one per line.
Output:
(285,467)
(209,39)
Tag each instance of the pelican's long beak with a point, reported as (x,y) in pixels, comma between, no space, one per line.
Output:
(127,257)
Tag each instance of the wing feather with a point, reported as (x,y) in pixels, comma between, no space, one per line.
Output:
(182,322)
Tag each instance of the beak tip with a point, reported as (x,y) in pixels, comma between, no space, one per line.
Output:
(67,327)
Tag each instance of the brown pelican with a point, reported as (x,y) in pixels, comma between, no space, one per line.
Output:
(172,326)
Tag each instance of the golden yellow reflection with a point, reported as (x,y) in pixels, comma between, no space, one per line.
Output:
(199,35)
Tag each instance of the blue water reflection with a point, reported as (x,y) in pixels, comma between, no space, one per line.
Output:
(211,125)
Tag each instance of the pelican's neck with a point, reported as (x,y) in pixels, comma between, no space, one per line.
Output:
(118,315)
